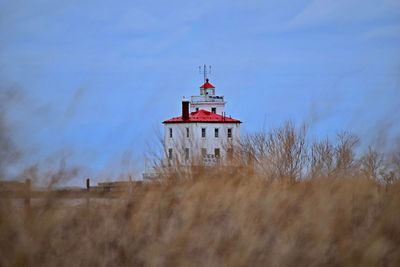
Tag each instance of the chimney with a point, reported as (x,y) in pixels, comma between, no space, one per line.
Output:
(185,109)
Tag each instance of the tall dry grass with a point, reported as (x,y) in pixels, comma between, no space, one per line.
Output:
(282,201)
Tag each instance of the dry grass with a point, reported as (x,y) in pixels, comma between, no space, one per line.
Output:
(213,221)
(287,204)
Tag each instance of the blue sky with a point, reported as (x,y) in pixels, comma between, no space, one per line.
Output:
(97,78)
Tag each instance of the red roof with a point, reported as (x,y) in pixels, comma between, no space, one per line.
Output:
(203,116)
(207,85)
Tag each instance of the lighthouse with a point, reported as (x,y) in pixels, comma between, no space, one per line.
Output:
(203,133)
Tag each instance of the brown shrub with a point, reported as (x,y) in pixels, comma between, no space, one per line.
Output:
(282,202)
(213,220)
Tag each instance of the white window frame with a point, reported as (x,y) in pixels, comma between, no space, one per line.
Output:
(217,149)
(229,132)
(204,130)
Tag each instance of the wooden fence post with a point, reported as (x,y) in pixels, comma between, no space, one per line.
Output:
(87,192)
(27,195)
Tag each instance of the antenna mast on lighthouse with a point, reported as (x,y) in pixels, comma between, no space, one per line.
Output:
(205,70)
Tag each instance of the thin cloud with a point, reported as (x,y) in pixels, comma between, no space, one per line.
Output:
(325,12)
(384,32)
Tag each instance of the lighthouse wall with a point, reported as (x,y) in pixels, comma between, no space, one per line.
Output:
(179,137)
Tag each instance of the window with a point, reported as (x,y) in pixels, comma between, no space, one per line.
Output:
(187,132)
(186,153)
(170,132)
(214,110)
(216,132)
(217,152)
(203,132)
(170,153)
(229,132)
(203,152)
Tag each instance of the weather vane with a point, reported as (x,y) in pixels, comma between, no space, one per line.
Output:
(205,71)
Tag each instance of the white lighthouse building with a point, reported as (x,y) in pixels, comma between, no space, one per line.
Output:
(203,134)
